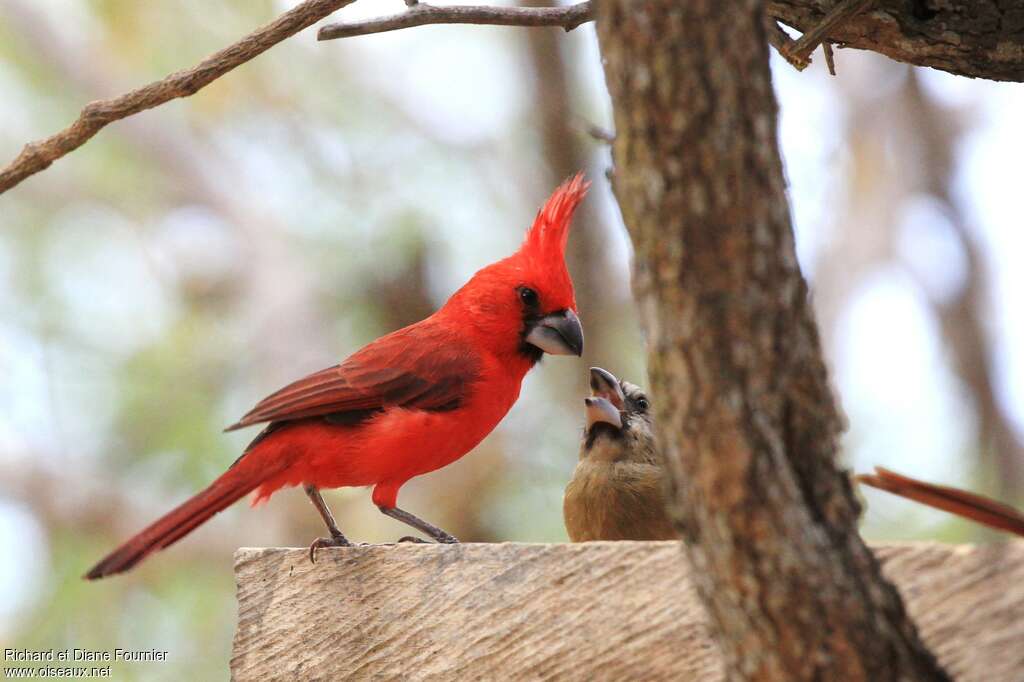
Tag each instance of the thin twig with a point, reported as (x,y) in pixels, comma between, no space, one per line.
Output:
(830,58)
(421,14)
(798,52)
(37,156)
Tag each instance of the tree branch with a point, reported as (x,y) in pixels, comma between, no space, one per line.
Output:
(981,40)
(422,14)
(37,156)
(798,52)
(961,39)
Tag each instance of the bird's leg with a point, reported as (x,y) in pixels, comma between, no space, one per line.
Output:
(337,538)
(419,524)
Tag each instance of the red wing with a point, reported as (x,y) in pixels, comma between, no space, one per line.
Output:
(406,369)
(960,502)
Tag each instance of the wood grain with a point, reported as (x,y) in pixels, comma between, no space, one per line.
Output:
(590,611)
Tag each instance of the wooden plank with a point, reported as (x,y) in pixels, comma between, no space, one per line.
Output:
(590,611)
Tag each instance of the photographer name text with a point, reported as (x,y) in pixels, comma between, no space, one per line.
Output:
(84,655)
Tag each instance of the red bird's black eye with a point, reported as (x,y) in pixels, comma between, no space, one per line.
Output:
(529,297)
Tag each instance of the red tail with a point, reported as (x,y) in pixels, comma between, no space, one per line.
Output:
(232,485)
(953,500)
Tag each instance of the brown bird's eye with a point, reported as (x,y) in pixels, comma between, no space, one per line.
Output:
(528,296)
(642,404)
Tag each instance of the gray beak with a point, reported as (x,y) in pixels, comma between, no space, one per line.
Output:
(557,334)
(603,384)
(601,410)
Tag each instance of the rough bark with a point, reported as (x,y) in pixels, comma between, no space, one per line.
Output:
(589,611)
(748,423)
(978,39)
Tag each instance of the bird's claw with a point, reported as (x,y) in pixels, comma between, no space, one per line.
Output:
(441,540)
(336,541)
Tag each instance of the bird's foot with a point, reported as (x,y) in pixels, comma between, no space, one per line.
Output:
(419,524)
(338,540)
(444,539)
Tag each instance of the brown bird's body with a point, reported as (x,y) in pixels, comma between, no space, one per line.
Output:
(618,490)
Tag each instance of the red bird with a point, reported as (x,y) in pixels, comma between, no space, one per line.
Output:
(406,404)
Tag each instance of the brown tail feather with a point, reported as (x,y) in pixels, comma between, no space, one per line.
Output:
(980,509)
(234,484)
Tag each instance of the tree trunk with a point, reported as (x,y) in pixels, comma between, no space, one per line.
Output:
(748,424)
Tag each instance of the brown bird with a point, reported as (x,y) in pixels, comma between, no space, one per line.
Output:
(969,505)
(618,490)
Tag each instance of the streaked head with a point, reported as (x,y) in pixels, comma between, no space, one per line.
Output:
(619,424)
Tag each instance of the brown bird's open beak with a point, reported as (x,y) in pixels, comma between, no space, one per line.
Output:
(603,384)
(606,399)
(558,334)
(601,410)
